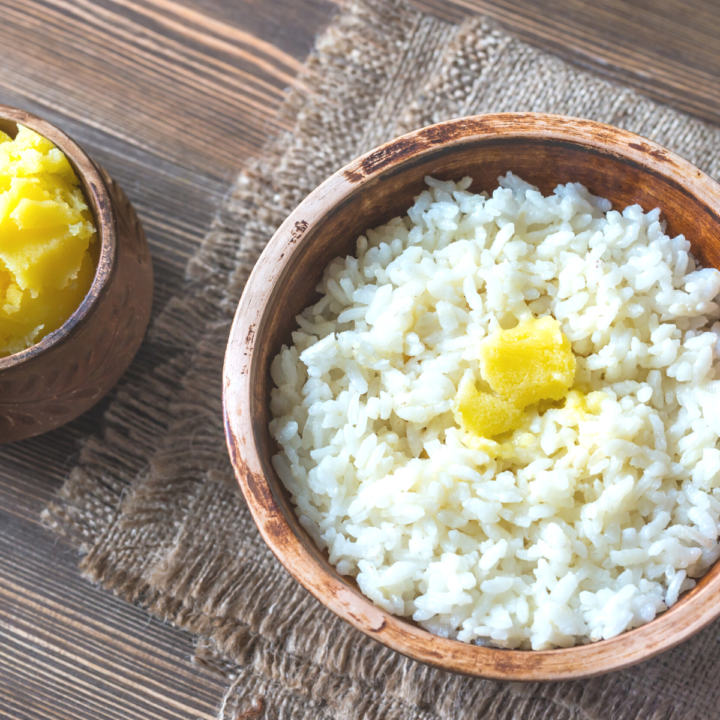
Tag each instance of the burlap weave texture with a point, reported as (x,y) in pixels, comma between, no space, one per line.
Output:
(152,504)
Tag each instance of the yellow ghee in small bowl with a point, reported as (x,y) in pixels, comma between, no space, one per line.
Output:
(48,247)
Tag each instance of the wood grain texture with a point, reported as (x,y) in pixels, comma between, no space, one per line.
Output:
(186,84)
(173,98)
(68,650)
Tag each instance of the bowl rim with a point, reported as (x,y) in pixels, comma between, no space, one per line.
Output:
(665,631)
(98,199)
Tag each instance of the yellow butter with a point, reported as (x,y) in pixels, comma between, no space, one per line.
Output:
(531,362)
(484,414)
(48,248)
(522,366)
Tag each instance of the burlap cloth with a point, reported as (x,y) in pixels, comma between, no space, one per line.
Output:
(152,503)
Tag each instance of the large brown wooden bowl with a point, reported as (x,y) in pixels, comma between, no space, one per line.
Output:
(69,370)
(542,149)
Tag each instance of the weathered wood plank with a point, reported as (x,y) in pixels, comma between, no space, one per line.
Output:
(69,650)
(178,82)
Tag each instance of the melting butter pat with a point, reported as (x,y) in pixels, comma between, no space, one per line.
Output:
(48,251)
(484,414)
(531,362)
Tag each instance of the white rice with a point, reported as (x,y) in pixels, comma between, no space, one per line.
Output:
(590,523)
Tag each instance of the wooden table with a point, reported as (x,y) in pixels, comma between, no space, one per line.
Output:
(174,97)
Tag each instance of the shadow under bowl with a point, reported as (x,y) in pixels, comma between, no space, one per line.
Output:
(545,150)
(69,370)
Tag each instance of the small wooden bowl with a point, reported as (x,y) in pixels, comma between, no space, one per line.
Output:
(70,369)
(542,149)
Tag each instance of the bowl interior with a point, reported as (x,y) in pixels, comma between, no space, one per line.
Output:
(9,127)
(545,162)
